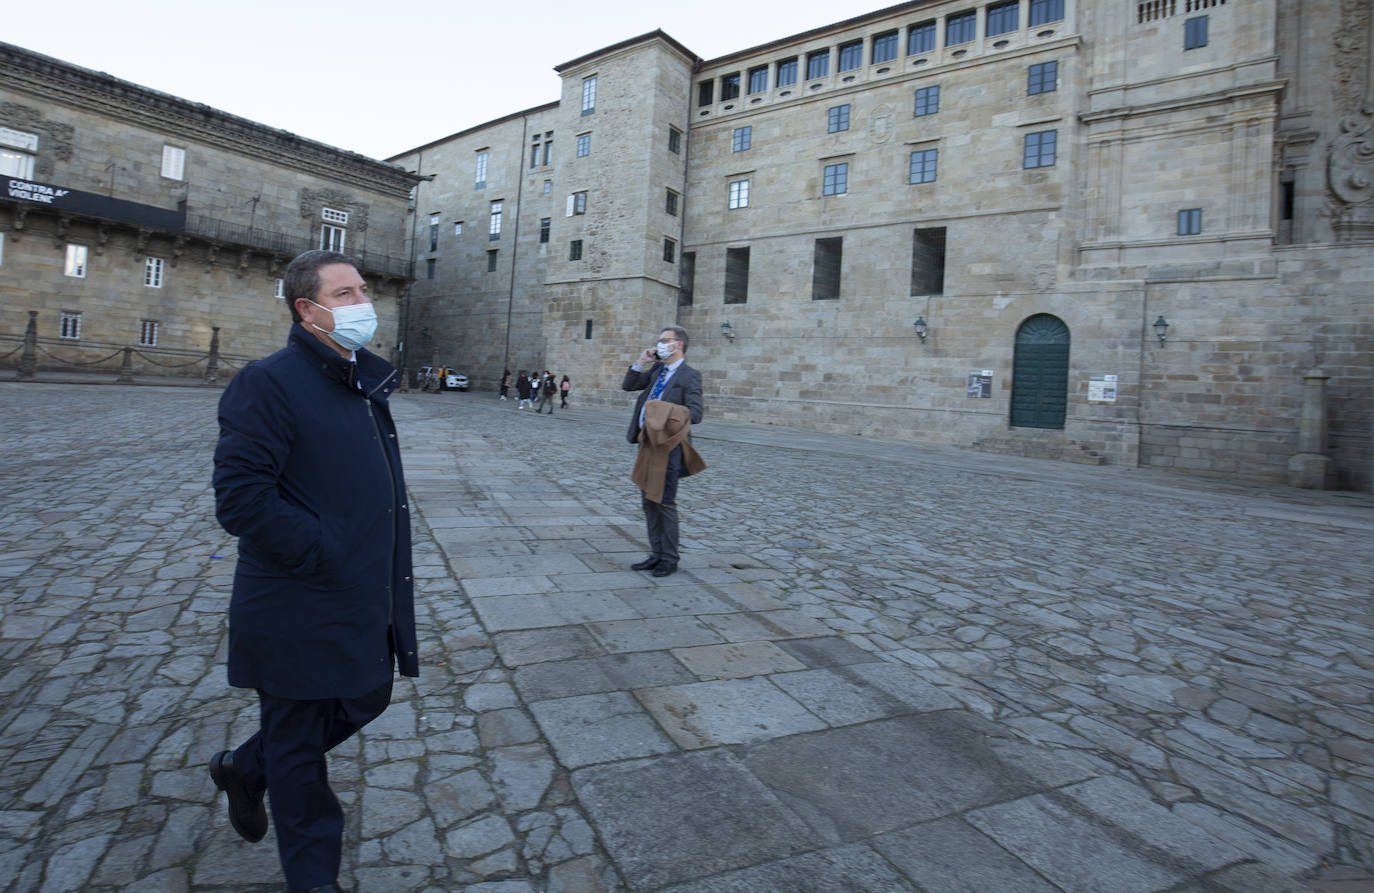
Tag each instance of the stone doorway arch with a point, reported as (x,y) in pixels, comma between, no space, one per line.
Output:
(1040,373)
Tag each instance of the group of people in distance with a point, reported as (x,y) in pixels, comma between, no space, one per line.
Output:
(535,387)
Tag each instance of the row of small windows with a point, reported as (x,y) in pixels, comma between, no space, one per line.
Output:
(18,150)
(827,262)
(1043,77)
(1039,151)
(69,328)
(74,265)
(541,154)
(1002,18)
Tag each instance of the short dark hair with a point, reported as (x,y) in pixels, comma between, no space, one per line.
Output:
(679,333)
(302,276)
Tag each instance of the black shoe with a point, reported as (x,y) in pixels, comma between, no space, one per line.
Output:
(665,568)
(247,813)
(647,564)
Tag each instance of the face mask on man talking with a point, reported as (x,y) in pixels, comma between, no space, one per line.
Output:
(354,325)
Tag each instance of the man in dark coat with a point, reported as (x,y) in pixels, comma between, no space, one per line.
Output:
(661,373)
(308,477)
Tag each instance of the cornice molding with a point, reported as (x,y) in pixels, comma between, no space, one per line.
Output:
(53,80)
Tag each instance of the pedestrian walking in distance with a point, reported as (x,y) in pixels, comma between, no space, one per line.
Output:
(522,389)
(505,384)
(565,388)
(307,475)
(547,388)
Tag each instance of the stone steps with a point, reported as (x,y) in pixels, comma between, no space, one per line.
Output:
(1039,445)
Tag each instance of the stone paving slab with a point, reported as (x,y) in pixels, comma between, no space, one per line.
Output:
(1110,679)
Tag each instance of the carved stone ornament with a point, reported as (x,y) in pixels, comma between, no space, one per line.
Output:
(880,124)
(1350,157)
(313,200)
(1351,163)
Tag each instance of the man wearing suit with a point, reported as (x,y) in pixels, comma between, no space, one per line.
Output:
(308,477)
(661,373)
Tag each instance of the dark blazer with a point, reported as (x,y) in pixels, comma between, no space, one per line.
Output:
(308,477)
(684,389)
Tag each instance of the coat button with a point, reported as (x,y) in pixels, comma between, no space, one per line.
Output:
(405,508)
(407,579)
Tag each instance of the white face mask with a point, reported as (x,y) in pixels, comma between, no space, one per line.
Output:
(664,349)
(354,325)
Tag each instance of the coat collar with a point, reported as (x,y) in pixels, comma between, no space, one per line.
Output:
(376,376)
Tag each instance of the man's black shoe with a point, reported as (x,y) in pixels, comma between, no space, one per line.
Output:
(647,564)
(247,813)
(665,568)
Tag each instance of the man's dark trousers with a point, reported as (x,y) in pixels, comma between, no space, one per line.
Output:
(286,756)
(661,517)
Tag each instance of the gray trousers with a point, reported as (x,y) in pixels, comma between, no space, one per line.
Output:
(661,518)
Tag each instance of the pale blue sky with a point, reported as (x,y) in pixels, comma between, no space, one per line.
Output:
(379,78)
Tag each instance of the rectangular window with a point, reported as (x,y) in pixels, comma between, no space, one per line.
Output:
(758,79)
(1040,149)
(787,72)
(587,336)
(920,38)
(17,149)
(479,178)
(575,249)
(1043,78)
(927,100)
(670,203)
(817,64)
(928,261)
(741,139)
(923,163)
(434,232)
(706,92)
(674,140)
(669,250)
(152,272)
(687,279)
(491,260)
(825,270)
(851,55)
(836,179)
(1190,222)
(494,221)
(147,333)
(330,215)
(69,325)
(1002,18)
(279,290)
(548,186)
(429,268)
(457,227)
(729,86)
(589,95)
(885,47)
(739,194)
(534,152)
(1043,12)
(173,163)
(548,148)
(577,204)
(961,28)
(545,223)
(1195,33)
(332,238)
(584,145)
(837,118)
(736,275)
(76,261)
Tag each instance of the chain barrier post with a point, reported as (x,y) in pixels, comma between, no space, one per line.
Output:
(126,368)
(212,367)
(28,363)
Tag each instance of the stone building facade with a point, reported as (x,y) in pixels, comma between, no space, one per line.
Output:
(1129,230)
(132,218)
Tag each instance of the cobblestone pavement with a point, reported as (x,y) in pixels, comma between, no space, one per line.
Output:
(882,667)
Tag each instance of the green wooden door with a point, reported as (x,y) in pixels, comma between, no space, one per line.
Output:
(1040,373)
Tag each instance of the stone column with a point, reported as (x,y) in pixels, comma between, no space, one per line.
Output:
(1311,468)
(212,366)
(28,362)
(126,368)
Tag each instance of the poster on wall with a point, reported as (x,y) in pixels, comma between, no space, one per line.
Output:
(980,383)
(1102,389)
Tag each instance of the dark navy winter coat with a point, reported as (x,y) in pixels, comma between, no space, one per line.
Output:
(308,477)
